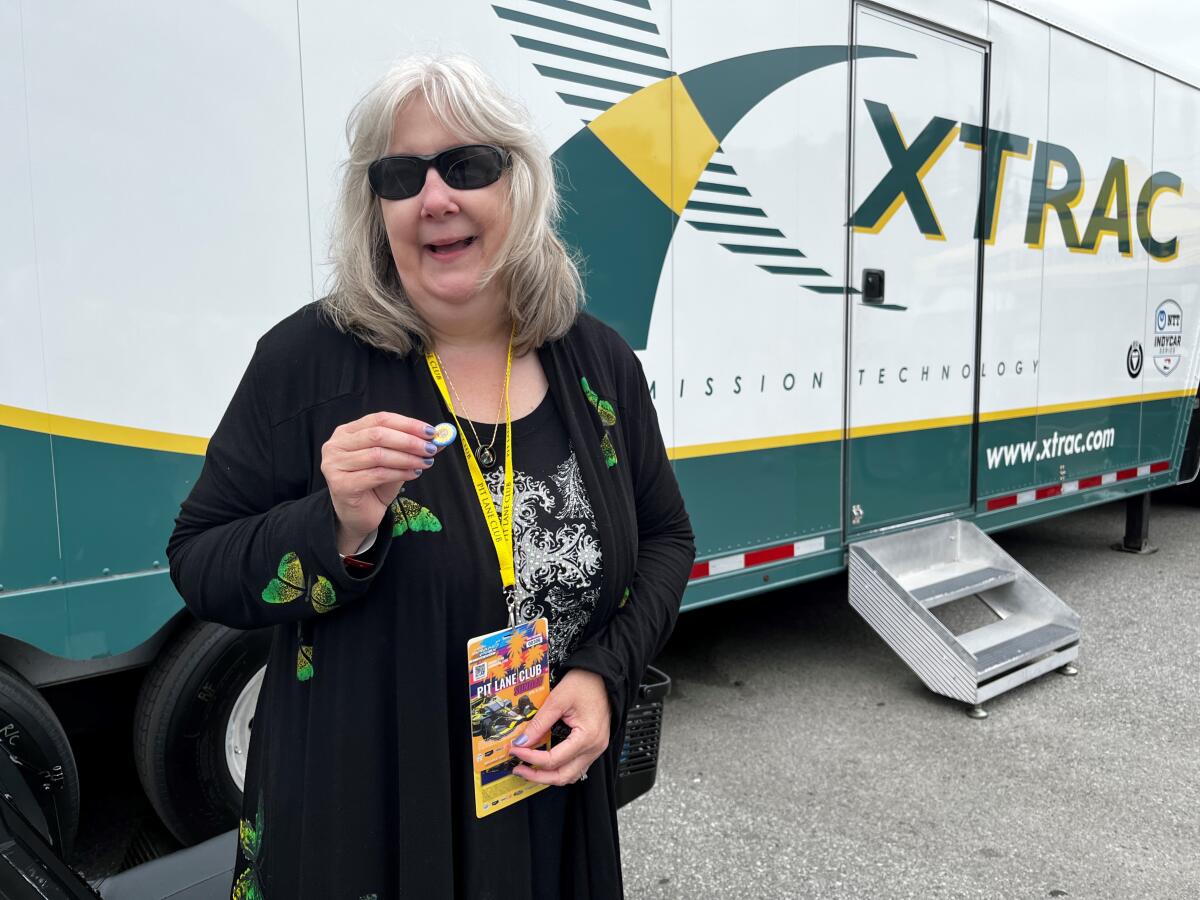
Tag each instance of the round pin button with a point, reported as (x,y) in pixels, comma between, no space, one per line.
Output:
(444,434)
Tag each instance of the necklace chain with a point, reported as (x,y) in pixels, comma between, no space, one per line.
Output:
(484,452)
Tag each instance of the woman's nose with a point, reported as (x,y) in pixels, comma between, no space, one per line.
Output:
(437,198)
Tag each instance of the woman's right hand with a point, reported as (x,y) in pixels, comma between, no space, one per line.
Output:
(365,463)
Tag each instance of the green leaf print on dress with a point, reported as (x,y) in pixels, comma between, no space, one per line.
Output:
(304,662)
(250,836)
(610,452)
(288,583)
(606,411)
(291,584)
(247,887)
(322,595)
(412,516)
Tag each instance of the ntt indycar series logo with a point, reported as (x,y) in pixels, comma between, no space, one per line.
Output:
(1168,336)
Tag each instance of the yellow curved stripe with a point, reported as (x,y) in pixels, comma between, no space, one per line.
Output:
(101,432)
(660,136)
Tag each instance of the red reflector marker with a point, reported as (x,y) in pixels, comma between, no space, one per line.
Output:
(768,554)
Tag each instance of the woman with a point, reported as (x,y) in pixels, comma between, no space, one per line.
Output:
(324,510)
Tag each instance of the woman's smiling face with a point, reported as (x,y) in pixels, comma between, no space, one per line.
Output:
(443,240)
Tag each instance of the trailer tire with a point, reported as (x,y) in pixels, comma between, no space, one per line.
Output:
(31,733)
(1189,493)
(182,721)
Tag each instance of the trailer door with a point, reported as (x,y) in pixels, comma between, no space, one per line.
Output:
(914,267)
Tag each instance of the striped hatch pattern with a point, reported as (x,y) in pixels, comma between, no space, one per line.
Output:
(723,565)
(601,52)
(1071,487)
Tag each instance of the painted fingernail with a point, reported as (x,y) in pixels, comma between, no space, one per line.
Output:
(428,462)
(521,741)
(417,473)
(431,449)
(428,431)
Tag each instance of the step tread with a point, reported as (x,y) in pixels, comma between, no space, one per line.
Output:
(1015,649)
(962,585)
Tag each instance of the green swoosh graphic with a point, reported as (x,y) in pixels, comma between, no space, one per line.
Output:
(621,228)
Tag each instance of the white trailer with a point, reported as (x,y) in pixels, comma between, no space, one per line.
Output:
(898,274)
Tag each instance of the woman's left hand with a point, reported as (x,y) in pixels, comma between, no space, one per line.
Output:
(581,701)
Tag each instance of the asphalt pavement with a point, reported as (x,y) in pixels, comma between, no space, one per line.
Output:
(802,758)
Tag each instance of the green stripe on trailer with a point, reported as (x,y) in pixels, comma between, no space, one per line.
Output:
(116,508)
(118,504)
(1140,432)
(92,619)
(761,497)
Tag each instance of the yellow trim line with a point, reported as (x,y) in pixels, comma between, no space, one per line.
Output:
(101,432)
(863,431)
(1000,415)
(146,439)
(691,451)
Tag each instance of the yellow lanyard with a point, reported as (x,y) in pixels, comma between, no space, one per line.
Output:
(499,527)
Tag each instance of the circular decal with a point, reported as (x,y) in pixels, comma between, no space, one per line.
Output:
(1168,336)
(1133,359)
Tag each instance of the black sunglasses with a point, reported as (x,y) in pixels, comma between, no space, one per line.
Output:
(462,168)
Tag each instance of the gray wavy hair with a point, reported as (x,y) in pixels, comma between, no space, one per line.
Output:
(537,273)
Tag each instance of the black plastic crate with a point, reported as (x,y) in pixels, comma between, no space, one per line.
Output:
(637,766)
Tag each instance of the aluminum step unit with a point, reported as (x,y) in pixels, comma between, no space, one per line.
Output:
(964,616)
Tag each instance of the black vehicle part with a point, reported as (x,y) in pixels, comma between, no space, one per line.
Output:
(31,869)
(181,723)
(1189,467)
(492,717)
(35,741)
(526,708)
(637,766)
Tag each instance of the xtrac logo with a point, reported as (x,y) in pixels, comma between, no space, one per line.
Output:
(1110,215)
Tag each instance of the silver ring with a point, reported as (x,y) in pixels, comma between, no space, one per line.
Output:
(582,777)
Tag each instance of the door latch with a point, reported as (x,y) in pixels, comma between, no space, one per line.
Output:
(856,513)
(872,285)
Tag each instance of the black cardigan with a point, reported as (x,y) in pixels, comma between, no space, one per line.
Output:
(360,763)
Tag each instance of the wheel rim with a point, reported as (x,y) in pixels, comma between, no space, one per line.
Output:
(237,732)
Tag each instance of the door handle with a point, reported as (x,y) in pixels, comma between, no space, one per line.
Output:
(872,285)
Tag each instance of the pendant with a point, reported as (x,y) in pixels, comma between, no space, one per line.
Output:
(487,458)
